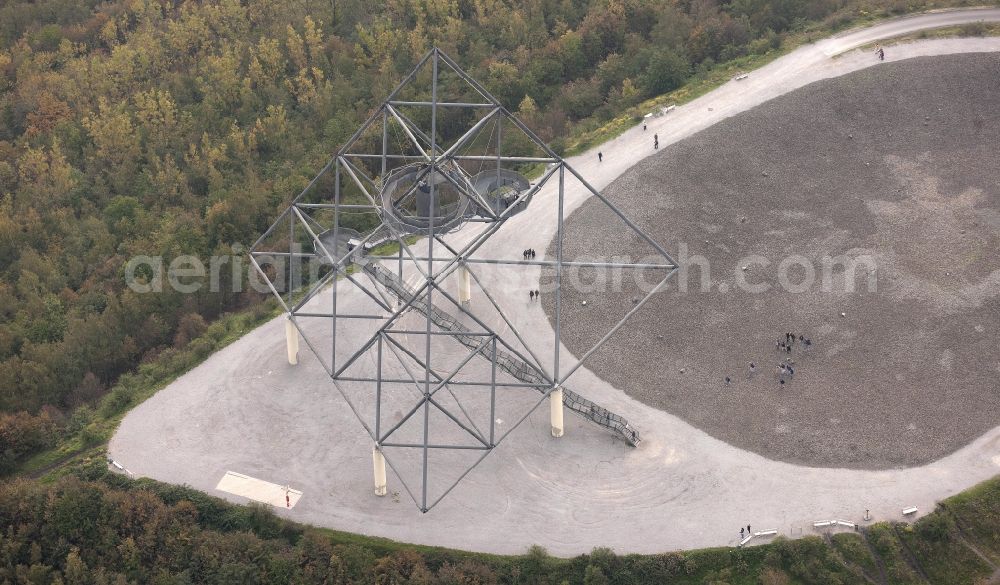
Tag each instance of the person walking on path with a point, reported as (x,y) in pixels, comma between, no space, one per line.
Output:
(656,141)
(531,295)
(600,156)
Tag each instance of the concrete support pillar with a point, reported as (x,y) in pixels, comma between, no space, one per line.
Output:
(464,286)
(378,460)
(556,411)
(292,342)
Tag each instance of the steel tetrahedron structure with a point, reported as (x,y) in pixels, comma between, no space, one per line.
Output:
(376,262)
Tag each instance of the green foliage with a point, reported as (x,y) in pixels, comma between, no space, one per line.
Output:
(890,551)
(808,560)
(93,524)
(937,537)
(975,512)
(666,71)
(854,551)
(23,433)
(594,576)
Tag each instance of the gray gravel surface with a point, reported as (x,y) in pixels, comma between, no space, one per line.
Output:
(898,162)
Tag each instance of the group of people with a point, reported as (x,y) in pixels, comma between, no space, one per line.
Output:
(656,145)
(534,295)
(785,369)
(529,253)
(789,340)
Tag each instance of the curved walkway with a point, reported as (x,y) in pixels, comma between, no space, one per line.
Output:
(246,410)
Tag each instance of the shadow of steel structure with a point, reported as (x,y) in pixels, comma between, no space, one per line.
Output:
(405,179)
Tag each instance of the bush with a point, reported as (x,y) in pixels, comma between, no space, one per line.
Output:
(973,29)
(581,98)
(666,71)
(91,435)
(191,326)
(116,401)
(47,38)
(594,576)
(934,528)
(22,434)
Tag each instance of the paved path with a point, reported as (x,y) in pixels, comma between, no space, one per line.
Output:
(246,410)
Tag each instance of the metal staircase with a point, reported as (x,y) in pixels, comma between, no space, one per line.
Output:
(506,361)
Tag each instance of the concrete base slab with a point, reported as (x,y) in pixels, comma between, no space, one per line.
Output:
(258,490)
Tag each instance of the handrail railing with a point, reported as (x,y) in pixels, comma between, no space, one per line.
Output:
(506,361)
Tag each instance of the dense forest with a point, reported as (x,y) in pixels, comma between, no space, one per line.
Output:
(172,127)
(92,527)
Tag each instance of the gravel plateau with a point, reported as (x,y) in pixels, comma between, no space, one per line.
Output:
(895,166)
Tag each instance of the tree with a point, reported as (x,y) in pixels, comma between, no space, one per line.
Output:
(667,70)
(191,326)
(581,98)
(75,571)
(594,576)
(116,146)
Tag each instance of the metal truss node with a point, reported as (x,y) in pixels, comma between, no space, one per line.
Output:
(401,213)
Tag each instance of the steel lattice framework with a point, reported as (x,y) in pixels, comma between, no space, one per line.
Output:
(403,210)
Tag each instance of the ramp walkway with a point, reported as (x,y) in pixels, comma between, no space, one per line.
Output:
(506,360)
